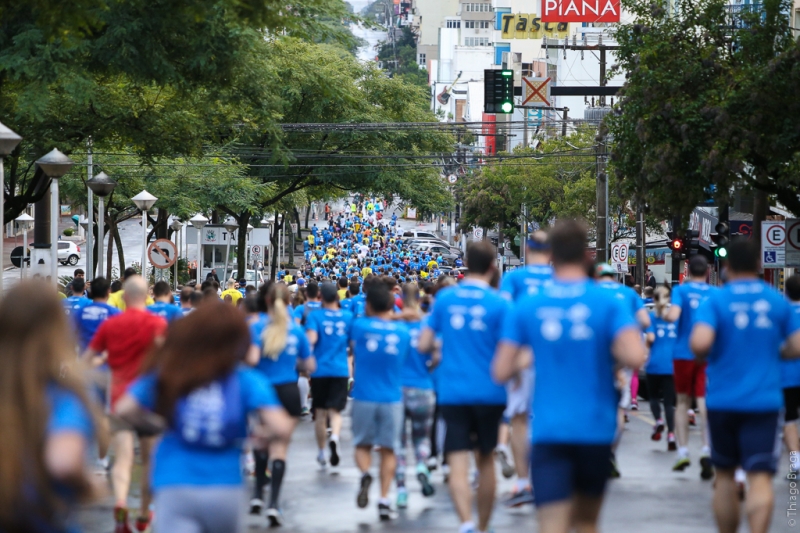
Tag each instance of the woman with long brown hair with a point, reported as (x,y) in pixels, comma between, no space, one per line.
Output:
(195,387)
(279,349)
(47,419)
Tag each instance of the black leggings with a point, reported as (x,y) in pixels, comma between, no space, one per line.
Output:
(662,386)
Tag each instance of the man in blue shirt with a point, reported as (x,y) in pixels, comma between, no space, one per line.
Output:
(690,374)
(328,331)
(380,345)
(742,330)
(514,286)
(578,329)
(302,311)
(469,317)
(74,301)
(164,306)
(89,317)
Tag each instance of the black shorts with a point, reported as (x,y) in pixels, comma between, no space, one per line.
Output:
(747,439)
(329,393)
(791,402)
(559,471)
(289,395)
(471,427)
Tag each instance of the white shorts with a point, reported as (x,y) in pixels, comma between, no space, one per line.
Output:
(519,395)
(624,384)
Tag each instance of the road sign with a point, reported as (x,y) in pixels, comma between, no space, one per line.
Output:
(619,256)
(255,249)
(16,256)
(452,178)
(537,91)
(477,233)
(773,244)
(294,227)
(792,242)
(162,253)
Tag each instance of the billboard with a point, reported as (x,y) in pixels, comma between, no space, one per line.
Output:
(531,26)
(581,11)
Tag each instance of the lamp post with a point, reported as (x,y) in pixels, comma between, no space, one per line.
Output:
(230,225)
(176,227)
(25,222)
(144,201)
(102,186)
(8,141)
(54,165)
(199,222)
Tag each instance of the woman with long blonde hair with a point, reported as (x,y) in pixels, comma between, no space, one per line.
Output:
(48,421)
(661,337)
(279,349)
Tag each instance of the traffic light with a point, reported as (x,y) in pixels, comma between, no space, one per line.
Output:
(720,239)
(498,91)
(691,242)
(677,245)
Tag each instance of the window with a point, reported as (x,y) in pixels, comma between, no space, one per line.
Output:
(477,24)
(423,60)
(469,24)
(476,41)
(483,24)
(478,8)
(453,23)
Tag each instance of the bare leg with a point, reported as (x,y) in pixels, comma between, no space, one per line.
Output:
(487,484)
(364,458)
(388,467)
(146,445)
(503,435)
(726,501)
(682,419)
(585,513)
(122,443)
(760,501)
(519,445)
(460,490)
(555,517)
(702,420)
(320,429)
(335,418)
(790,437)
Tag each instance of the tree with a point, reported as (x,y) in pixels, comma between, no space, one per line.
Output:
(400,58)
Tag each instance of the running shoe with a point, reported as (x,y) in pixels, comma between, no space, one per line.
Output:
(424,477)
(143,522)
(615,473)
(363,492)
(506,467)
(706,469)
(681,464)
(275,517)
(305,411)
(121,520)
(432,463)
(692,418)
(658,429)
(672,446)
(385,512)
(522,497)
(321,460)
(256,506)
(446,473)
(402,498)
(334,453)
(634,405)
(626,418)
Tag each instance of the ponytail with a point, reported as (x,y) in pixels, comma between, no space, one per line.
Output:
(661,300)
(277,331)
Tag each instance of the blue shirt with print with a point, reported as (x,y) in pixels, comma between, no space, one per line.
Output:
(379,350)
(333,336)
(688,296)
(282,369)
(88,319)
(527,280)
(169,312)
(666,335)
(416,373)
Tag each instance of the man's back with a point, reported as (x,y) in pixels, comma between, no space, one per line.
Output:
(89,318)
(527,280)
(689,297)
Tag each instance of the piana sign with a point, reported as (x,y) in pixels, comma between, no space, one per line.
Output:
(581,11)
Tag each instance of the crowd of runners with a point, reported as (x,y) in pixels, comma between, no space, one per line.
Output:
(534,370)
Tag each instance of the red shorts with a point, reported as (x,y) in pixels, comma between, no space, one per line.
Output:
(690,377)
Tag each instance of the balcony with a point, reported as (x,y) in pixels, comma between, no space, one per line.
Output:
(738,15)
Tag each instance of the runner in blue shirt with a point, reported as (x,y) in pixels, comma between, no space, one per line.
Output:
(90,316)
(380,346)
(302,311)
(743,330)
(690,374)
(197,477)
(279,349)
(524,281)
(662,337)
(578,329)
(164,306)
(790,381)
(469,317)
(76,300)
(328,331)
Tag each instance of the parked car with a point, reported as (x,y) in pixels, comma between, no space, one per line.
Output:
(450,254)
(417,241)
(69,253)
(414,233)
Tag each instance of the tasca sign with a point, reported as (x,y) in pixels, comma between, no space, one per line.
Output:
(530,26)
(581,11)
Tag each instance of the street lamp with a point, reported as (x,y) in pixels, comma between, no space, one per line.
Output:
(102,186)
(8,141)
(144,201)
(25,221)
(54,165)
(199,222)
(176,227)
(230,225)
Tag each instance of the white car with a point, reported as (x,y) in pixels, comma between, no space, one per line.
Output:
(69,253)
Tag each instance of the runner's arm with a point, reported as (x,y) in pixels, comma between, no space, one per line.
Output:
(91,357)
(628,347)
(702,340)
(673,313)
(791,349)
(509,360)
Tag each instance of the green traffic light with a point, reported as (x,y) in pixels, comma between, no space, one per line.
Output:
(507,107)
(722,253)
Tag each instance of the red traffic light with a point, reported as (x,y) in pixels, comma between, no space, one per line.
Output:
(677,244)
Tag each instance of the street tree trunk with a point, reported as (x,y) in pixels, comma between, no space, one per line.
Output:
(241,245)
(308,215)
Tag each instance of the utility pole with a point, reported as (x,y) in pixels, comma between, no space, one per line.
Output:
(641,252)
(601,245)
(676,261)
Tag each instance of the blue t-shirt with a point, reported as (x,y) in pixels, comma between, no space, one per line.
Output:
(525,281)
(302,311)
(333,336)
(73,303)
(67,413)
(751,321)
(790,369)
(571,327)
(416,373)
(283,369)
(666,335)
(688,297)
(632,301)
(379,350)
(169,312)
(469,318)
(88,319)
(179,464)
(356,305)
